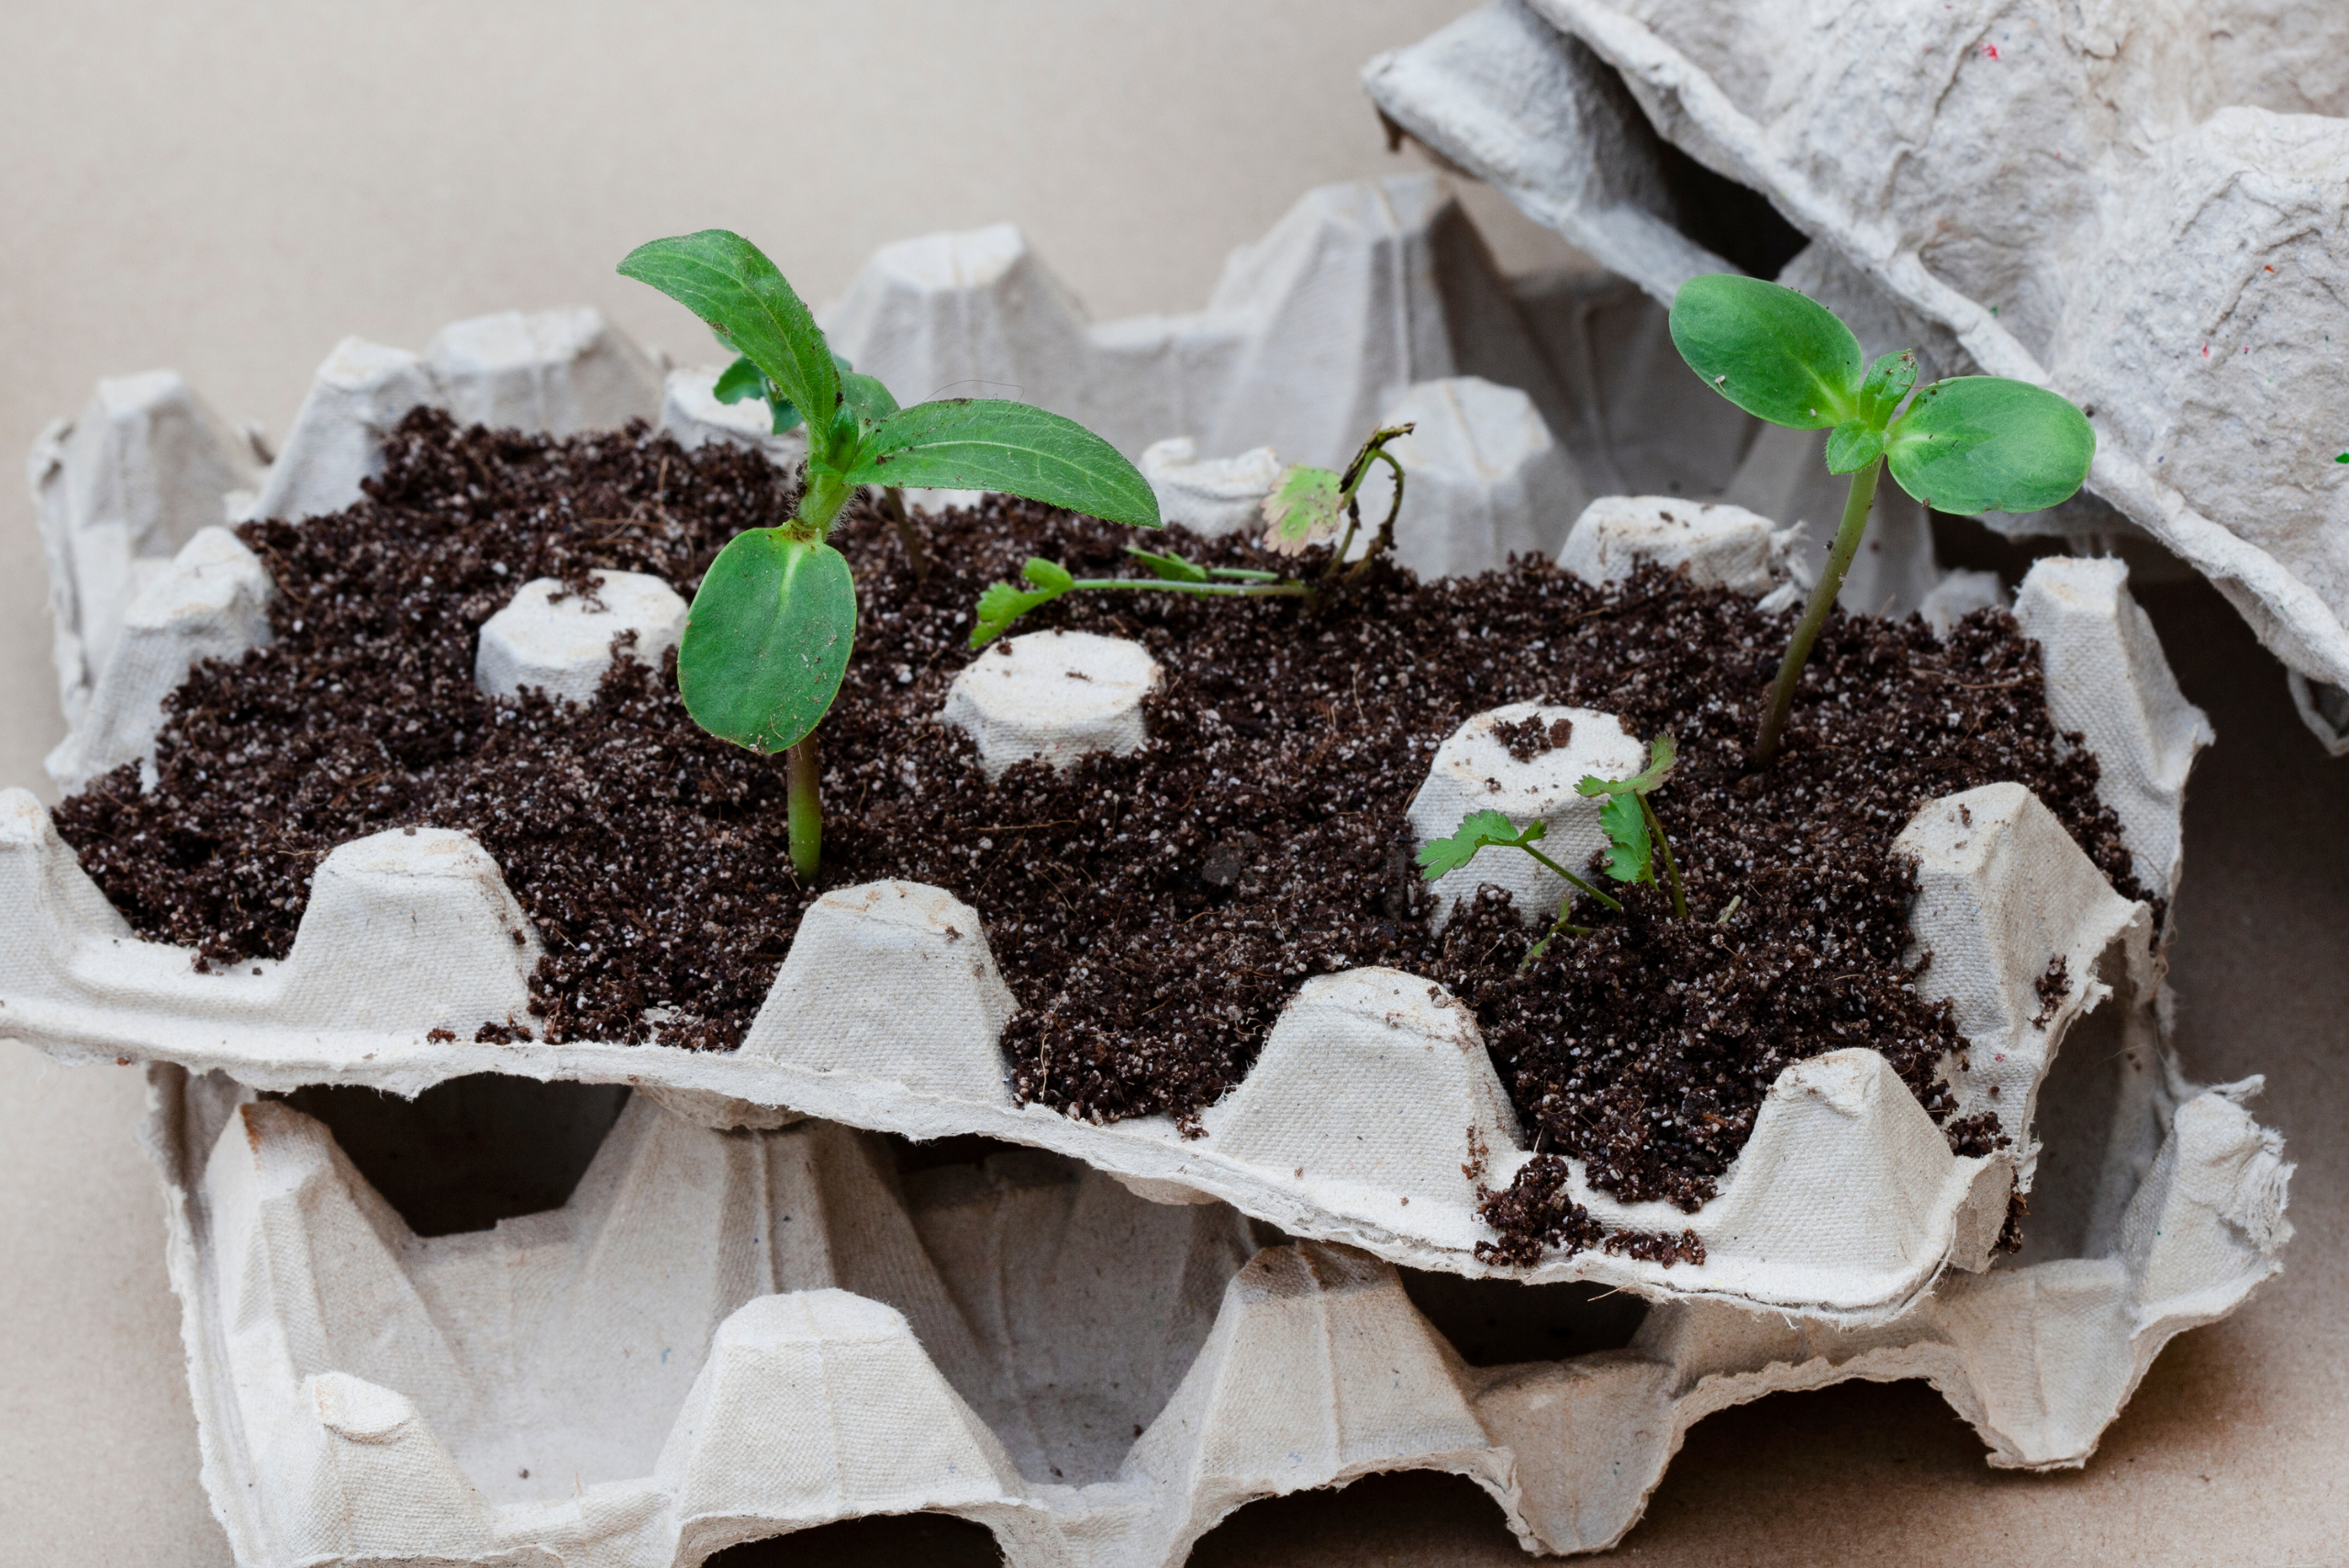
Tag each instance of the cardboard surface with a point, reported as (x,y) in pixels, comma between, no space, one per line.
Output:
(459,158)
(2254,1405)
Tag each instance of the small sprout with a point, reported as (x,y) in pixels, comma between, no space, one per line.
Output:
(1722,920)
(1635,832)
(1304,510)
(1491,830)
(1002,604)
(1969,444)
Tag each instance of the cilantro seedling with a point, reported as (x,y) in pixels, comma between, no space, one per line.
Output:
(1491,830)
(1635,832)
(768,637)
(1308,506)
(1966,444)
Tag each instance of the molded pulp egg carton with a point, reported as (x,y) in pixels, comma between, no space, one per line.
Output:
(2173,255)
(888,1010)
(2156,1205)
(723,1336)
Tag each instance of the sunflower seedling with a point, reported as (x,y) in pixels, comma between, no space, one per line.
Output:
(1635,832)
(1966,445)
(1308,506)
(768,637)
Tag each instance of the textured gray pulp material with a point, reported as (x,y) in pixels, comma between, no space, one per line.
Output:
(2140,208)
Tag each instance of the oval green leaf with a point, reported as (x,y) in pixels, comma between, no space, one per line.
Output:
(767,640)
(1981,444)
(989,444)
(1773,353)
(728,283)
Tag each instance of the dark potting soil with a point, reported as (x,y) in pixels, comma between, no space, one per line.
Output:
(1151,914)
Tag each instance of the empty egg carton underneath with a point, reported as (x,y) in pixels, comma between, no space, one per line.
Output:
(724,1336)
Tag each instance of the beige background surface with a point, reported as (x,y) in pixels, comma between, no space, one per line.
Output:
(228,190)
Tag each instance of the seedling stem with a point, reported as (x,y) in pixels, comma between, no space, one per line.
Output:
(1857,503)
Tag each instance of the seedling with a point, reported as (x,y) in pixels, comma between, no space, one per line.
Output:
(768,637)
(1966,444)
(1635,832)
(1634,836)
(1491,830)
(1308,506)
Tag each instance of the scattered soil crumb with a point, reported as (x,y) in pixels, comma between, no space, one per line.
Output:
(2052,987)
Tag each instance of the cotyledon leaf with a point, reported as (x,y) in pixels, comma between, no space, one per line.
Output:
(767,640)
(1982,443)
(1774,354)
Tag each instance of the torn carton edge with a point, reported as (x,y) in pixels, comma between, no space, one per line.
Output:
(726,1336)
(888,1010)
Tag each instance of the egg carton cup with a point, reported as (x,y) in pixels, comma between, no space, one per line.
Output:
(2173,257)
(725,1336)
(888,1010)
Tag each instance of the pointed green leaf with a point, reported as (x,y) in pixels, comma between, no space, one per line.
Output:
(767,640)
(866,396)
(728,283)
(1770,351)
(1853,445)
(1002,604)
(739,380)
(1478,830)
(1663,755)
(1889,382)
(1173,568)
(1628,849)
(987,444)
(1305,508)
(1980,443)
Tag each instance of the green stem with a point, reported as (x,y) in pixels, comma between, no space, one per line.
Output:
(804,792)
(1814,615)
(822,493)
(1571,877)
(1212,590)
(1671,867)
(1386,534)
(893,506)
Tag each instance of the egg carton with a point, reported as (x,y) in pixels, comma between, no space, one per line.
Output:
(888,1010)
(724,1336)
(1530,398)
(2173,259)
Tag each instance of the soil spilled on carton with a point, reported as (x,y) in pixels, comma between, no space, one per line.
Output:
(1151,914)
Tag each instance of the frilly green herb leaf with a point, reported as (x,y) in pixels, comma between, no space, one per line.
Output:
(1304,509)
(1002,604)
(1629,855)
(1478,830)
(1663,755)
